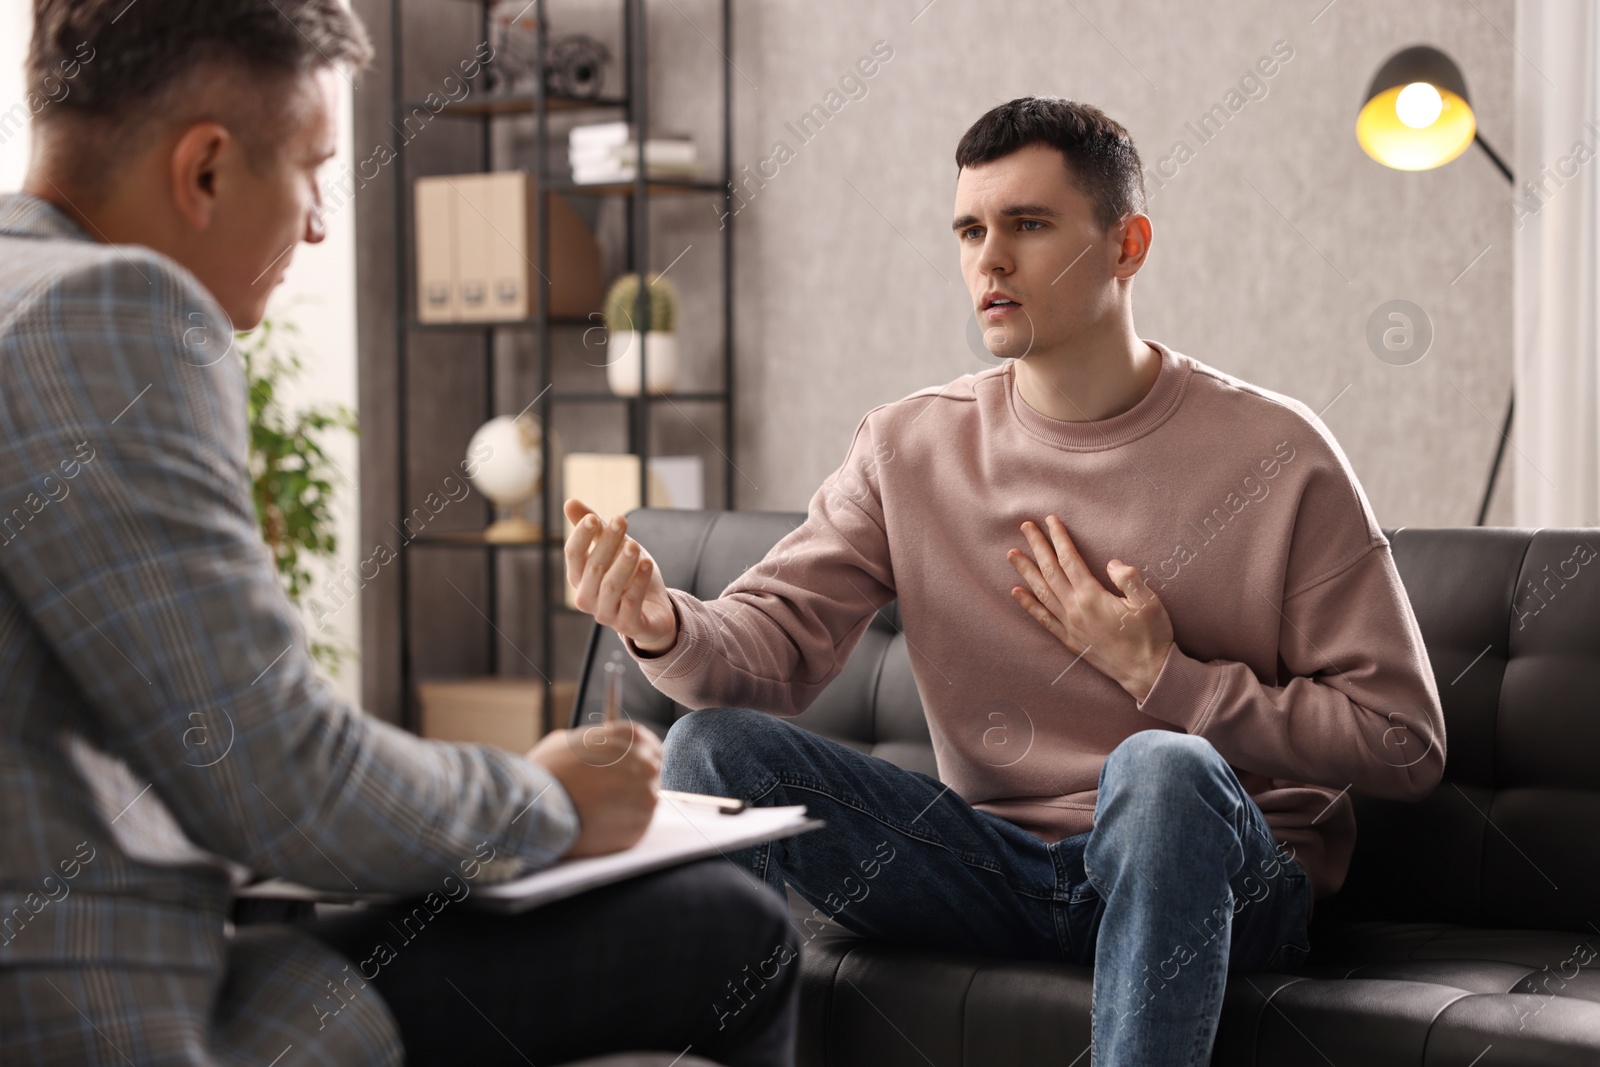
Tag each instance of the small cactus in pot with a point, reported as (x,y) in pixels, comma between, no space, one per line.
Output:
(625,330)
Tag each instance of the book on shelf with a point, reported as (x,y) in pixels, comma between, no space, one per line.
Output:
(627,171)
(609,152)
(611,134)
(600,134)
(657,151)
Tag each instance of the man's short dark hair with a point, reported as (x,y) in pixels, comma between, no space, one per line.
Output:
(127,67)
(1100,156)
(142,48)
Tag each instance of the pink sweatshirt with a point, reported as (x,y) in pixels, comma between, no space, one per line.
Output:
(1296,652)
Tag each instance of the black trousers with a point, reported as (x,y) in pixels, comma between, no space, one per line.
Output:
(699,959)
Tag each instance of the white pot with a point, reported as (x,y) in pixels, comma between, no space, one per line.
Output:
(660,356)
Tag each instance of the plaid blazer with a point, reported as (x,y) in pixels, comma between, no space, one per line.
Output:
(162,726)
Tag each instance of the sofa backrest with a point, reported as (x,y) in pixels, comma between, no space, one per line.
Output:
(1511,619)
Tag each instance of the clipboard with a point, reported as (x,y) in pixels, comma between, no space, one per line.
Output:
(681,831)
(678,833)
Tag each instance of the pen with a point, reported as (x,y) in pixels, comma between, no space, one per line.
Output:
(613,689)
(613,711)
(726,805)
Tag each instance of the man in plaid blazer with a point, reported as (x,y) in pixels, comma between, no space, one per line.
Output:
(163,732)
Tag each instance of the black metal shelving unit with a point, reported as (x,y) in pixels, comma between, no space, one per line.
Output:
(633,104)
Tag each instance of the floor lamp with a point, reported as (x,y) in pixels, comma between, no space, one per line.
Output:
(1416,117)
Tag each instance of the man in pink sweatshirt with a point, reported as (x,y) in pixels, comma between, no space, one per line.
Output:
(1147,771)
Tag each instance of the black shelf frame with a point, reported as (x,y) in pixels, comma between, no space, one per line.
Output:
(633,102)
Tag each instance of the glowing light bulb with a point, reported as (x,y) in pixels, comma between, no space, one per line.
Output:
(1418,105)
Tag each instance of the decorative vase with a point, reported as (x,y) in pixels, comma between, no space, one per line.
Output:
(661,359)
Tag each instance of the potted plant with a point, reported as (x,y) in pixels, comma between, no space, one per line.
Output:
(292,478)
(624,331)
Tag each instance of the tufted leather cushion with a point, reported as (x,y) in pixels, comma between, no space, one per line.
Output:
(1469,922)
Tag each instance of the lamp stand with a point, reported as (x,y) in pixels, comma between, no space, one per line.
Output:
(1500,449)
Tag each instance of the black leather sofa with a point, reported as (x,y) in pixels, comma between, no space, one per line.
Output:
(1466,935)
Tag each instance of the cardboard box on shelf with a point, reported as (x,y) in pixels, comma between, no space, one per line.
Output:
(436,252)
(491,710)
(609,483)
(478,244)
(475,242)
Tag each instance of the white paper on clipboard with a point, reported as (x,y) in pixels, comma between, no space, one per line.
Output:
(678,833)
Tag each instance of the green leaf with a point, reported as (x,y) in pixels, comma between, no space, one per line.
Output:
(293,482)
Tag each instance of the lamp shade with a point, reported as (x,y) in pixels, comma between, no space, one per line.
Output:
(1417,115)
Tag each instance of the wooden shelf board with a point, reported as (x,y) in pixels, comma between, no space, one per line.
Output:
(517,104)
(528,323)
(653,187)
(476,539)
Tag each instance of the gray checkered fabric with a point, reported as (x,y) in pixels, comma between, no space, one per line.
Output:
(163,730)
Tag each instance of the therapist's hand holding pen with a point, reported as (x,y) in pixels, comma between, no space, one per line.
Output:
(611,771)
(616,580)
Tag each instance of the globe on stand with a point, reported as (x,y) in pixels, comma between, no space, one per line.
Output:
(509,474)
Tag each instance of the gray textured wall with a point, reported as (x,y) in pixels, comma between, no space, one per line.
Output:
(1273,244)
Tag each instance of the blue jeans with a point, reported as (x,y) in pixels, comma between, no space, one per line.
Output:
(1179,880)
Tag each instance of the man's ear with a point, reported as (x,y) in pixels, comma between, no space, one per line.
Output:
(197,157)
(1133,244)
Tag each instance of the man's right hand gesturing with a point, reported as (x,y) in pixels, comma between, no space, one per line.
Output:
(617,581)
